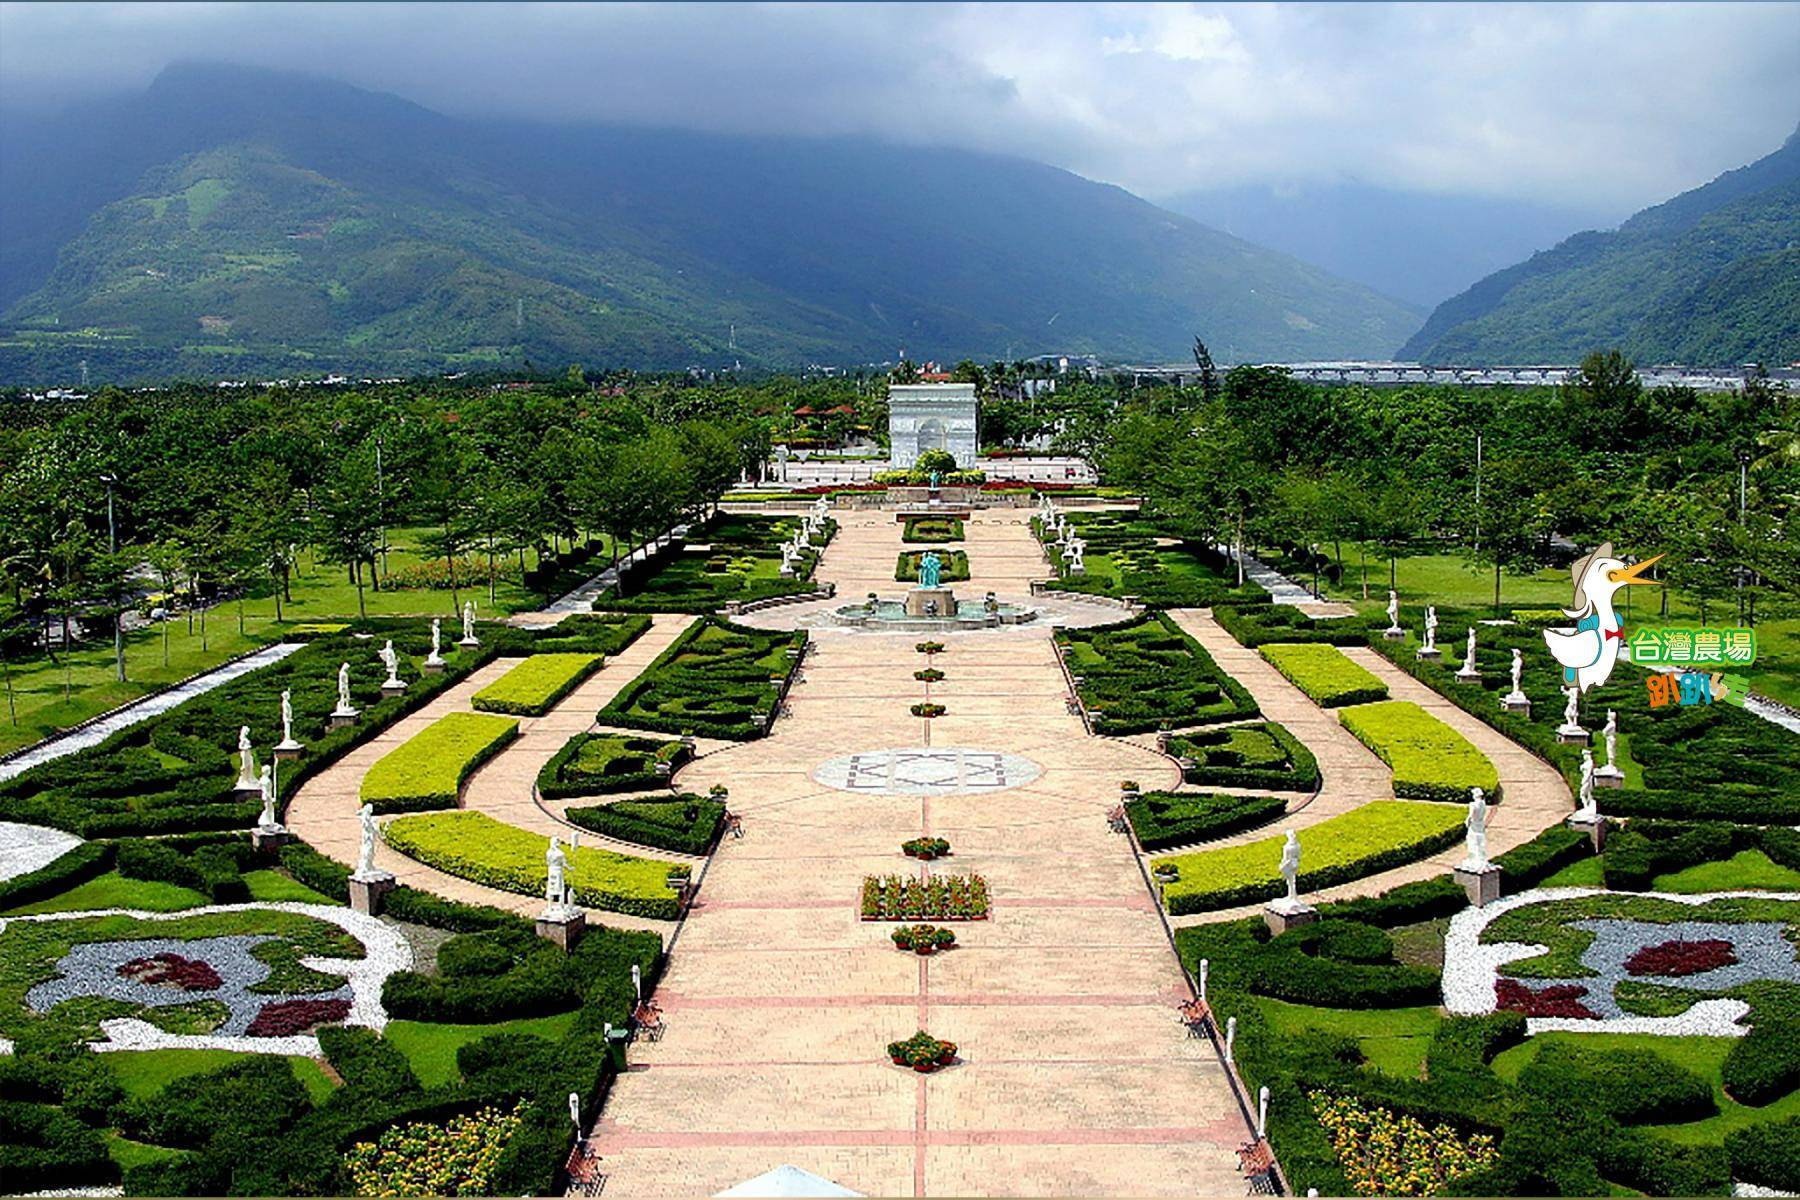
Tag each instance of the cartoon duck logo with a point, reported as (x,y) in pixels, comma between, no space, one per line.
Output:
(1589,650)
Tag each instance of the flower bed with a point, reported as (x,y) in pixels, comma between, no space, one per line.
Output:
(928,675)
(929,648)
(1261,755)
(926,848)
(1384,1153)
(922,1052)
(474,846)
(1681,958)
(932,529)
(954,566)
(940,898)
(590,764)
(284,1018)
(429,768)
(1323,672)
(1557,1000)
(923,939)
(1430,760)
(533,688)
(428,1158)
(928,710)
(172,970)
(1145,674)
(1375,837)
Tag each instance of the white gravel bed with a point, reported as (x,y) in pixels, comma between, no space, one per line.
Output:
(1471,970)
(28,848)
(385,952)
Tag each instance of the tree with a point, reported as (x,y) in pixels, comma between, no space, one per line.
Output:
(347,522)
(1515,523)
(1209,375)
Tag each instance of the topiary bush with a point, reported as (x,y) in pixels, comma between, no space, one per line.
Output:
(1259,755)
(1164,819)
(1633,1087)
(1430,760)
(534,687)
(1767,1155)
(686,824)
(1764,1064)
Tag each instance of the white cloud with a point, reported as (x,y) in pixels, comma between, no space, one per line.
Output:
(1604,106)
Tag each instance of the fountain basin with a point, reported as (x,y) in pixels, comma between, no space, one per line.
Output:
(969,614)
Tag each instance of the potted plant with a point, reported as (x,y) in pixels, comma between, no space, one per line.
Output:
(897,1051)
(946,1053)
(946,938)
(1166,872)
(924,1060)
(1128,789)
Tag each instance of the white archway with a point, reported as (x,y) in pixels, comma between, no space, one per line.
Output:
(931,435)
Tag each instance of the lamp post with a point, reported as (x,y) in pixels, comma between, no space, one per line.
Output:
(112,550)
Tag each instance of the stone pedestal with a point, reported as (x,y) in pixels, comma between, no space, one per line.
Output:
(433,668)
(288,751)
(919,599)
(1429,653)
(252,788)
(1467,676)
(392,689)
(270,841)
(343,718)
(468,642)
(1571,735)
(1483,886)
(1516,702)
(1283,915)
(1394,633)
(564,926)
(368,893)
(1593,827)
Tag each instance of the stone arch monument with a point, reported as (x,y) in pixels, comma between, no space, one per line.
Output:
(931,416)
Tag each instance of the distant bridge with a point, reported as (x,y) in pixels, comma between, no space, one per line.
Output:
(1390,374)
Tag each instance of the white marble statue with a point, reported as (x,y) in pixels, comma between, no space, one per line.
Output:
(556,867)
(246,779)
(1290,865)
(468,620)
(391,661)
(1468,667)
(344,708)
(287,722)
(1431,627)
(1475,832)
(1393,610)
(1610,731)
(575,1097)
(1571,712)
(371,833)
(1585,808)
(266,784)
(436,657)
(1518,671)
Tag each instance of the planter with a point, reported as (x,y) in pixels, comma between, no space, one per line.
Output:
(924,949)
(925,1068)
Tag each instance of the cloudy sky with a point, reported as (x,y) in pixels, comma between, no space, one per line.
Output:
(1604,107)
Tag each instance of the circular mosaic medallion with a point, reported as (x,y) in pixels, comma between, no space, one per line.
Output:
(937,771)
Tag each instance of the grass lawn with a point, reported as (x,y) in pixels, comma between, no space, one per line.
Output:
(1585,872)
(1702,1055)
(143,1073)
(1393,1040)
(113,890)
(431,1048)
(127,1153)
(1747,870)
(274,887)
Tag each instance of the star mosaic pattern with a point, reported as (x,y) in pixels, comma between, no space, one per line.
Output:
(937,771)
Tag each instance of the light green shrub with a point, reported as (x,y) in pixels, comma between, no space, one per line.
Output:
(428,769)
(474,846)
(1431,761)
(1324,673)
(532,688)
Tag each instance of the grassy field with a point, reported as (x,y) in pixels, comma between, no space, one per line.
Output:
(113,890)
(143,1073)
(1393,1040)
(431,1048)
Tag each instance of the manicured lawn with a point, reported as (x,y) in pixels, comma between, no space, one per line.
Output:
(113,890)
(1431,761)
(1324,673)
(428,769)
(143,1073)
(1587,872)
(431,1048)
(1747,870)
(1394,1040)
(274,887)
(128,1153)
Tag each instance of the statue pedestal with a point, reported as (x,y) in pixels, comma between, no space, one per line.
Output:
(1571,735)
(433,668)
(1609,776)
(392,688)
(1429,653)
(1284,914)
(920,599)
(368,892)
(1465,675)
(342,718)
(1394,633)
(1517,702)
(1483,886)
(268,842)
(1594,827)
(288,751)
(470,642)
(563,925)
(253,788)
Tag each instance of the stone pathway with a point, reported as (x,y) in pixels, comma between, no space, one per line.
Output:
(27,848)
(582,598)
(64,744)
(1077,1077)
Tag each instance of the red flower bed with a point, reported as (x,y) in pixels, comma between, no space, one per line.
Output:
(286,1017)
(1563,1000)
(1681,958)
(188,974)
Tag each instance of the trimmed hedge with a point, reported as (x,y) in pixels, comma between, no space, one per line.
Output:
(215,869)
(954,565)
(534,687)
(43,1147)
(1767,1154)
(1634,1087)
(474,846)
(429,768)
(686,824)
(76,865)
(1164,819)
(744,564)
(509,972)
(1259,755)
(1764,1065)
(332,878)
(1128,555)
(1364,841)
(1254,625)
(593,763)
(932,529)
(713,680)
(1328,678)
(1147,674)
(1430,760)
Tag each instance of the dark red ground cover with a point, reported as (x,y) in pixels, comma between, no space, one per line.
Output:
(286,1017)
(1681,958)
(1562,1000)
(188,974)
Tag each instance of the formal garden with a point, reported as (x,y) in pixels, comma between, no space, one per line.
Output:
(1132,555)
(718,679)
(729,557)
(1146,674)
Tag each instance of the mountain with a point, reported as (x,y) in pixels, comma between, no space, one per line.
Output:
(1707,278)
(230,221)
(1418,247)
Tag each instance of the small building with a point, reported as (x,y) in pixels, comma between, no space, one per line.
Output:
(931,416)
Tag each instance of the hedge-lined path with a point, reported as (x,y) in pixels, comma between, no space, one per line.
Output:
(1077,1077)
(502,788)
(323,813)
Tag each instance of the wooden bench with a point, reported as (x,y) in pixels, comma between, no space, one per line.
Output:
(583,1170)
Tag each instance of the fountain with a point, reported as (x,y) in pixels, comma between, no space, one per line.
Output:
(931,606)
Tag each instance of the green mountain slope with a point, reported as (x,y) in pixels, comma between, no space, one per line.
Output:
(1706,278)
(302,226)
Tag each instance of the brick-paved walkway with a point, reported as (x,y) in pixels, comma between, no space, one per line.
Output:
(1077,1079)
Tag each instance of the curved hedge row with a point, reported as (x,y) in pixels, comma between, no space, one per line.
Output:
(1146,673)
(1259,755)
(1164,819)
(429,768)
(715,680)
(534,687)
(1430,760)
(474,846)
(592,763)
(684,824)
(1328,678)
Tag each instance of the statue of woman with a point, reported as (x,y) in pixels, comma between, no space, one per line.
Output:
(1571,716)
(930,569)
(1518,670)
(246,759)
(365,860)
(266,782)
(468,615)
(1469,656)
(391,661)
(1611,733)
(287,718)
(437,640)
(344,689)
(1290,865)
(1475,832)
(1393,610)
(556,865)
